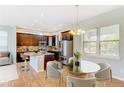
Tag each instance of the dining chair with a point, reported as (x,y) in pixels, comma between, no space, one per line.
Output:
(80,82)
(52,71)
(70,60)
(105,73)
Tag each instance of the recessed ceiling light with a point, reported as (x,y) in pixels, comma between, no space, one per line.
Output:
(55,28)
(60,24)
(38,29)
(32,24)
(42,14)
(35,21)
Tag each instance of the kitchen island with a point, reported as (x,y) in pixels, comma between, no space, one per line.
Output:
(38,61)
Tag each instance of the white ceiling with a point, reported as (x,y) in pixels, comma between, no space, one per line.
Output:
(49,18)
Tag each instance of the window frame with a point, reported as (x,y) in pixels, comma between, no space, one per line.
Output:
(6,45)
(98,44)
(90,42)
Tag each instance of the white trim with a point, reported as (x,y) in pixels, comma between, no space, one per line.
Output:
(115,58)
(116,77)
(98,54)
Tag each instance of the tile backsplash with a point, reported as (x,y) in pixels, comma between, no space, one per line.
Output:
(28,48)
(34,48)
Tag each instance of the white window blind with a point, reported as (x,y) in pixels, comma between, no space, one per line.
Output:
(90,38)
(3,40)
(103,41)
(109,40)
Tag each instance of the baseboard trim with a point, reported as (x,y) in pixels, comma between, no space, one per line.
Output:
(116,77)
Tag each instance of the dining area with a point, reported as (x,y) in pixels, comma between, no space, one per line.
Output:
(84,74)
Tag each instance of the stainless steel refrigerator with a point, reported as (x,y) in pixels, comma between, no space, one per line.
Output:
(67,50)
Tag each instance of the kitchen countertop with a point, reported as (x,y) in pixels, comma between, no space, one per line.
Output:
(37,54)
(37,60)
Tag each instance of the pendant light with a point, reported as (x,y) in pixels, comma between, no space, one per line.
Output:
(77,30)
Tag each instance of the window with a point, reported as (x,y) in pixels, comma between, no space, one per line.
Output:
(102,41)
(109,40)
(3,41)
(90,41)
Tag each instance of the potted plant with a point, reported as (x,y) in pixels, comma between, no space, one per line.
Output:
(77,56)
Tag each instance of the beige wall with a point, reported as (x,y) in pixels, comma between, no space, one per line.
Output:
(113,17)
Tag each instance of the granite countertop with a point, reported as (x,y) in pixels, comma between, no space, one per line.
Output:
(24,51)
(38,54)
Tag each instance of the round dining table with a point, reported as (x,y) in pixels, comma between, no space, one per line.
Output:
(87,69)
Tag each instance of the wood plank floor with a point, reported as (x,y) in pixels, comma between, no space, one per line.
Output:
(34,79)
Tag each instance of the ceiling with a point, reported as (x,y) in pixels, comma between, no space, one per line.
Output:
(48,18)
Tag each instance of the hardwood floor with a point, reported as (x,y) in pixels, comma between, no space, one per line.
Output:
(33,79)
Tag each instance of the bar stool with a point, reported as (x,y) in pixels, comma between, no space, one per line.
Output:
(25,66)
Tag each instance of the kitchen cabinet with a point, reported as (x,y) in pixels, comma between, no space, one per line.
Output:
(19,58)
(56,54)
(46,59)
(26,40)
(44,38)
(67,35)
(30,39)
(52,40)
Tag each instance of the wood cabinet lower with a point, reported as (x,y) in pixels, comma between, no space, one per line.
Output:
(56,54)
(19,58)
(46,59)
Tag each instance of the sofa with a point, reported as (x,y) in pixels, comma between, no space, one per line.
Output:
(5,58)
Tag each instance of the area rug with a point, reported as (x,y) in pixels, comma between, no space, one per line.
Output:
(8,73)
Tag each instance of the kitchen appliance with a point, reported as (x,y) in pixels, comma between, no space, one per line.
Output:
(67,50)
(43,43)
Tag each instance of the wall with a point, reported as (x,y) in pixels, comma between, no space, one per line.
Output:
(11,39)
(76,43)
(110,18)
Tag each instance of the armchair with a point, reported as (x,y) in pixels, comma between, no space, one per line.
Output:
(5,58)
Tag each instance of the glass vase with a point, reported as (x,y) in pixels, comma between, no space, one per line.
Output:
(76,66)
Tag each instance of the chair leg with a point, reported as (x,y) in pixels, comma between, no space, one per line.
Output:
(60,82)
(46,75)
(111,75)
(104,84)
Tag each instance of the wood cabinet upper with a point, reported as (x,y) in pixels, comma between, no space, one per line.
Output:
(29,39)
(32,40)
(67,35)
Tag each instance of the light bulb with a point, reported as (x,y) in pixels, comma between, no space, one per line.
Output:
(78,33)
(71,31)
(79,30)
(82,31)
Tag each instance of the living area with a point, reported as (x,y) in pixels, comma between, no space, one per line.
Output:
(76,50)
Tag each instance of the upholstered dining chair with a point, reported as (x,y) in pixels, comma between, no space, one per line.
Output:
(70,60)
(80,82)
(52,71)
(105,73)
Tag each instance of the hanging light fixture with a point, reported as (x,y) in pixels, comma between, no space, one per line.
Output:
(77,30)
